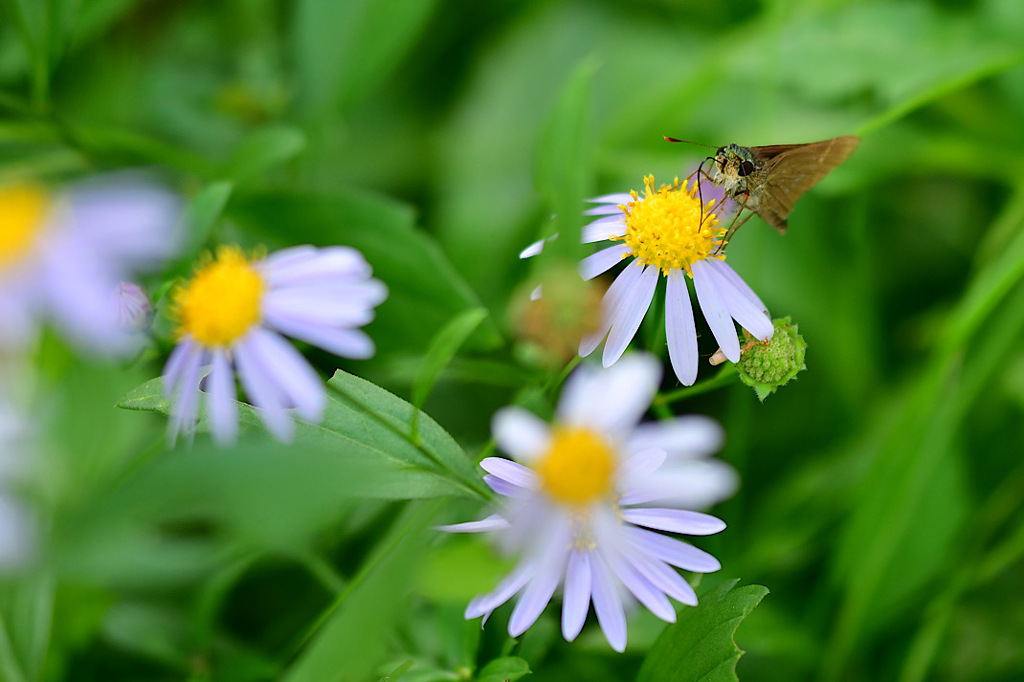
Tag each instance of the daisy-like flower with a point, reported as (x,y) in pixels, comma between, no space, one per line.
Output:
(231,316)
(62,255)
(582,504)
(663,232)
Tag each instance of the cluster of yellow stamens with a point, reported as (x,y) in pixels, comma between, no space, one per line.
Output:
(669,229)
(222,301)
(23,211)
(578,467)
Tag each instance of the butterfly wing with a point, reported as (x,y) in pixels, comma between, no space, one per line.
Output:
(791,170)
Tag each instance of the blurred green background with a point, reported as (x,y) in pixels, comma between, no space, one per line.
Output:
(882,492)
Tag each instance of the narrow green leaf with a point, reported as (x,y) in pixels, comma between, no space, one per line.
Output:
(202,213)
(350,640)
(441,351)
(503,670)
(345,49)
(370,428)
(264,150)
(564,159)
(700,645)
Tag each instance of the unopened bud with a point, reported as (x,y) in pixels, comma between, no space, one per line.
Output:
(134,311)
(767,365)
(550,319)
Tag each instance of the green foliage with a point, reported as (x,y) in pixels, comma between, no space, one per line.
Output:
(699,646)
(881,497)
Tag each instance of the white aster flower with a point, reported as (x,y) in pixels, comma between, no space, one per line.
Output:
(62,255)
(664,233)
(231,316)
(582,503)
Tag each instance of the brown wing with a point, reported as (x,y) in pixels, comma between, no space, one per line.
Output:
(793,171)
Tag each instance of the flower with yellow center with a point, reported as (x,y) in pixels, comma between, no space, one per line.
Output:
(585,500)
(231,316)
(666,232)
(64,254)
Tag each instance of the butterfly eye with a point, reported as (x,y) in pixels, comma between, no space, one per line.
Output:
(745,169)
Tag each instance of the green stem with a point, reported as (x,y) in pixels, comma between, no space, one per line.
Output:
(723,378)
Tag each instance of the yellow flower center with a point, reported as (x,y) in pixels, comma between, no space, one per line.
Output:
(578,466)
(23,210)
(222,301)
(665,228)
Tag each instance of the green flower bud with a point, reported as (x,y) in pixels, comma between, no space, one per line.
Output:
(766,366)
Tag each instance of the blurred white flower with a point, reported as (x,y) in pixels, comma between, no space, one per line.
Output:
(231,316)
(62,254)
(17,533)
(666,232)
(581,506)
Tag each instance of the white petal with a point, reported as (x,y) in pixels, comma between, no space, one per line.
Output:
(664,579)
(671,550)
(603,229)
(715,311)
(540,588)
(576,599)
(643,463)
(291,373)
(688,436)
(675,521)
(615,400)
(622,284)
(262,392)
(290,267)
(483,605)
(490,524)
(608,604)
(510,471)
(750,316)
(520,434)
(186,395)
(726,271)
(641,587)
(679,328)
(506,489)
(602,261)
(629,313)
(349,343)
(615,199)
(604,209)
(221,402)
(683,484)
(536,247)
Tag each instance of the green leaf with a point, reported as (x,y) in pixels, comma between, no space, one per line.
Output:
(700,645)
(441,351)
(26,619)
(202,213)
(425,292)
(264,150)
(345,49)
(370,429)
(564,159)
(351,638)
(503,670)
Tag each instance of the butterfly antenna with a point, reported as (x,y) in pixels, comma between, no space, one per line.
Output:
(699,144)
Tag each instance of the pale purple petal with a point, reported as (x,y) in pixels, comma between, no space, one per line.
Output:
(607,604)
(726,271)
(671,550)
(643,463)
(604,209)
(688,436)
(262,391)
(176,362)
(750,316)
(675,521)
(290,372)
(349,343)
(679,328)
(663,578)
(506,489)
(602,261)
(641,588)
(623,283)
(299,265)
(541,587)
(221,401)
(491,523)
(682,484)
(576,599)
(628,313)
(185,392)
(613,401)
(715,311)
(510,471)
(484,604)
(520,434)
(603,229)
(616,199)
